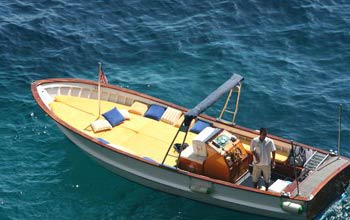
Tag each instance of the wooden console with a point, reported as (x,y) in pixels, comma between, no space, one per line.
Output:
(226,161)
(226,158)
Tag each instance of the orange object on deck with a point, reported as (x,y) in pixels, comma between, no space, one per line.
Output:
(229,163)
(225,158)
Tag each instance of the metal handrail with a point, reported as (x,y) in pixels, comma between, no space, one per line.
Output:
(294,168)
(223,110)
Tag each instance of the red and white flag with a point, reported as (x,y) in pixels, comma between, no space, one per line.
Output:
(103,78)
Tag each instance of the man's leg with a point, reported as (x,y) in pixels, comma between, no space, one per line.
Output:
(256,175)
(267,176)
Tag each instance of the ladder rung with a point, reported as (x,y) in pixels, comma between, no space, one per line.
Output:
(318,153)
(316,160)
(311,165)
(228,111)
(319,157)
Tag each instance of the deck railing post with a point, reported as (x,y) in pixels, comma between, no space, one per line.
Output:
(99,88)
(237,103)
(226,103)
(182,145)
(294,167)
(339,128)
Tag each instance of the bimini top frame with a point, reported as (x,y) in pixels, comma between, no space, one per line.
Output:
(228,86)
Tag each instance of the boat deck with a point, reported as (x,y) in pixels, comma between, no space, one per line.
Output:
(131,135)
(140,136)
(315,179)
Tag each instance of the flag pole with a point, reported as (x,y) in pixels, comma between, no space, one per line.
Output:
(99,88)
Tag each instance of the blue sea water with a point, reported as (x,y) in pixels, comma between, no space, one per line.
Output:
(294,55)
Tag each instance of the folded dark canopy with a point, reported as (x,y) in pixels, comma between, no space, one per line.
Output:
(212,98)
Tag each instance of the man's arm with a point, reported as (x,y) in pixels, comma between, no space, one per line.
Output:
(256,157)
(273,162)
(252,149)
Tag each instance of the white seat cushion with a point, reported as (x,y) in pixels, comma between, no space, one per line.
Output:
(190,155)
(199,142)
(279,186)
(171,116)
(100,125)
(125,114)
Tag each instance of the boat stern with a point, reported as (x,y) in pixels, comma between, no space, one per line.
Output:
(330,189)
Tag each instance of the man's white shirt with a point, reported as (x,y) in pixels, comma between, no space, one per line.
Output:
(263,150)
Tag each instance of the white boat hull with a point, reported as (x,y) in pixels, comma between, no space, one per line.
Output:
(318,190)
(168,180)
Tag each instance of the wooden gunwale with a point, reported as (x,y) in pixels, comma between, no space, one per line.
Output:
(329,178)
(37,98)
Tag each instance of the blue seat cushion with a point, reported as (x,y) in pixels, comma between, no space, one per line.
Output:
(199,126)
(102,140)
(114,117)
(149,159)
(155,112)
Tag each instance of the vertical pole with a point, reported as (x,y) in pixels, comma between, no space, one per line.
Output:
(99,88)
(225,105)
(339,128)
(166,155)
(295,171)
(183,142)
(237,102)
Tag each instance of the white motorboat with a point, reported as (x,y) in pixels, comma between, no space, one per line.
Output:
(210,161)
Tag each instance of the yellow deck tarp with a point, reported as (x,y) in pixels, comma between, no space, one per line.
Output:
(143,136)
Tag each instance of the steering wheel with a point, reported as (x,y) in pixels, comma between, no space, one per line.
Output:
(236,155)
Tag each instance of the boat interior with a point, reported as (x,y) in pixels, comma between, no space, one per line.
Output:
(149,127)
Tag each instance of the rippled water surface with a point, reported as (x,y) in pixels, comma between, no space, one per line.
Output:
(294,55)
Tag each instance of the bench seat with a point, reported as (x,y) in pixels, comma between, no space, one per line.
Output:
(281,156)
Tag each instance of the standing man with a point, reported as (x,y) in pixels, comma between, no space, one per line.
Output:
(262,147)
